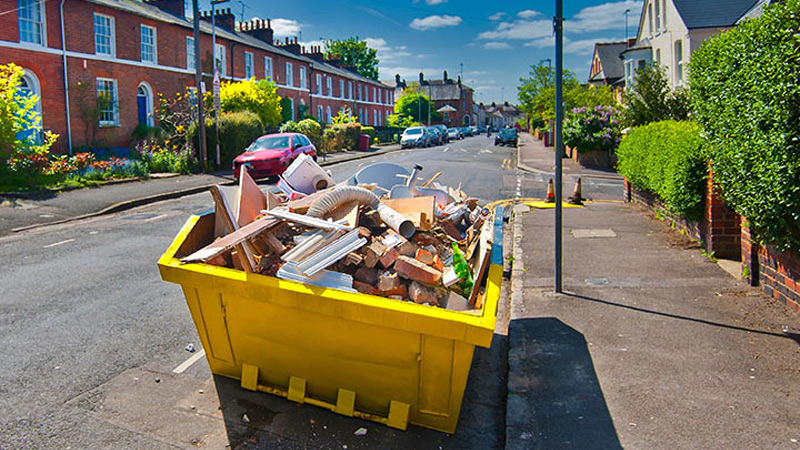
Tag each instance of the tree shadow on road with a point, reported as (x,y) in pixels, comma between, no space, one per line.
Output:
(554,397)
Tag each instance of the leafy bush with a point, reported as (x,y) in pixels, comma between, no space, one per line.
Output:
(236,131)
(369,131)
(746,94)
(668,159)
(313,130)
(256,96)
(289,127)
(334,140)
(351,130)
(588,129)
(651,100)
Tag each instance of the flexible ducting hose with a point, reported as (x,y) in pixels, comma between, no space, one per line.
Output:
(345,194)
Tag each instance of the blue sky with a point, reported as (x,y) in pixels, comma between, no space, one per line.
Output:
(496,41)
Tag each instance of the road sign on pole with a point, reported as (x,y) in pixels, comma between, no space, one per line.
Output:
(216,89)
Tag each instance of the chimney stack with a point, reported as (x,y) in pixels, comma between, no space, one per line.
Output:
(291,46)
(421,79)
(224,19)
(315,53)
(258,29)
(444,76)
(174,7)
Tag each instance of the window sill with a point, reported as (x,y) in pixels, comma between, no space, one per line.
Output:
(109,125)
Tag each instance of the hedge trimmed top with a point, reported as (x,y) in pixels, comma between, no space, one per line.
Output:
(746,93)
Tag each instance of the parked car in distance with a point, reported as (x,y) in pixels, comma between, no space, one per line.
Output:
(414,137)
(507,136)
(454,133)
(443,131)
(271,154)
(437,138)
(465,131)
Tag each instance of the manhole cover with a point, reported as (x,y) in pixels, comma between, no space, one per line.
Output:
(597,281)
(588,234)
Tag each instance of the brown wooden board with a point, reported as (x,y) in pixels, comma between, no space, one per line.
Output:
(223,210)
(419,210)
(250,199)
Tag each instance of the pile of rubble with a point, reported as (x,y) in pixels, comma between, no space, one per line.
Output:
(378,234)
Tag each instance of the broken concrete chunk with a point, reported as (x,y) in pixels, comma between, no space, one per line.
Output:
(388,281)
(455,302)
(407,248)
(414,270)
(420,293)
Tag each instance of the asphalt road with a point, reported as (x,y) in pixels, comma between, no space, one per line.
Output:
(90,337)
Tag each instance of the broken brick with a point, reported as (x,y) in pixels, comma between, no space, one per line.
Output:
(423,294)
(353,259)
(414,270)
(366,275)
(437,263)
(400,291)
(365,288)
(424,256)
(407,248)
(374,253)
(389,257)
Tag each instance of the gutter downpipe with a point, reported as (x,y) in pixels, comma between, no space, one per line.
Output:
(66,80)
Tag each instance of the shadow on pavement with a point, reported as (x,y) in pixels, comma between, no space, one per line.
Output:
(554,397)
(793,336)
(276,423)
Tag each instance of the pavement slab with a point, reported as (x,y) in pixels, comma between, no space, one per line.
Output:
(668,351)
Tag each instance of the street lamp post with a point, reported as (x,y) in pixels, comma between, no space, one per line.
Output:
(214,3)
(198,79)
(558,24)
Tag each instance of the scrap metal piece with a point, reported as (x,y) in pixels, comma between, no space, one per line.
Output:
(331,253)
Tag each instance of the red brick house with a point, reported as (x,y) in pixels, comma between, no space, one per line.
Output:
(128,52)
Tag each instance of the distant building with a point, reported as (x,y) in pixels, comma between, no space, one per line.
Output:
(673,29)
(126,53)
(607,68)
(500,116)
(446,92)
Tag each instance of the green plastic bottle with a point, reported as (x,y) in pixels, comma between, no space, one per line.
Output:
(462,269)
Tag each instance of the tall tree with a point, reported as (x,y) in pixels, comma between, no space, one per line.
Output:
(416,107)
(355,53)
(537,93)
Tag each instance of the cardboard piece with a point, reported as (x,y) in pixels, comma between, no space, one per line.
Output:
(250,199)
(223,210)
(419,210)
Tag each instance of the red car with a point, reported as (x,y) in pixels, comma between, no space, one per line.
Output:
(270,155)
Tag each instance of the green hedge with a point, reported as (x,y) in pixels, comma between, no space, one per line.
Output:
(236,131)
(668,159)
(746,93)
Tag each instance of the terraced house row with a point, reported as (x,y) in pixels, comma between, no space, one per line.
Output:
(127,52)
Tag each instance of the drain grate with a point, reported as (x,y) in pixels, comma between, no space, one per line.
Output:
(589,234)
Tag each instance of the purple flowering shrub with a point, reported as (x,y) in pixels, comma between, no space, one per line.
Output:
(597,128)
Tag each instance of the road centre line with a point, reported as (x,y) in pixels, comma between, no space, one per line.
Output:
(59,243)
(153,219)
(188,363)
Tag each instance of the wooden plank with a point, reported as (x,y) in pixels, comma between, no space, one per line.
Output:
(432,179)
(419,210)
(482,264)
(250,199)
(227,196)
(222,208)
(301,205)
(233,239)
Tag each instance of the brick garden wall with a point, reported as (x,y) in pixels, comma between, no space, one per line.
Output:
(778,273)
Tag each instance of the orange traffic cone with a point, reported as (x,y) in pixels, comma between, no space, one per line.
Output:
(550,197)
(576,198)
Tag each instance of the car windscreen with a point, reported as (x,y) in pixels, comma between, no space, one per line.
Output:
(269,143)
(413,131)
(508,132)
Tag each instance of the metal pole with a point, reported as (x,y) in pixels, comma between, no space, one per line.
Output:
(198,79)
(627,11)
(214,45)
(558,23)
(429,105)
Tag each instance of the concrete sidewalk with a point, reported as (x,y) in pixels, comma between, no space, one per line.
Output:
(651,346)
(533,156)
(19,212)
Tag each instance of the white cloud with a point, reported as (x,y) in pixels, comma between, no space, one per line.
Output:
(285,27)
(497,16)
(387,53)
(435,2)
(519,29)
(608,16)
(435,21)
(528,14)
(496,46)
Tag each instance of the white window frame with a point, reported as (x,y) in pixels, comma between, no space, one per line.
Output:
(303,79)
(360,93)
(221,57)
(329,85)
(111,37)
(320,113)
(190,54)
(249,70)
(678,46)
(375,95)
(268,68)
(291,103)
(329,118)
(658,15)
(341,88)
(318,87)
(289,77)
(42,23)
(664,13)
(350,90)
(114,102)
(154,31)
(374,117)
